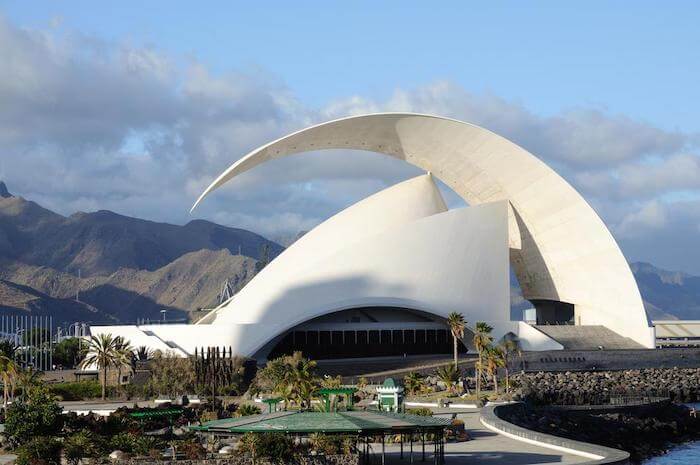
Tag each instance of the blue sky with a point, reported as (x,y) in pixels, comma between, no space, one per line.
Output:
(639,58)
(136,106)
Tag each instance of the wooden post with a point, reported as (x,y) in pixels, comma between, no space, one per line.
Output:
(383,450)
(422,435)
(411,448)
(401,446)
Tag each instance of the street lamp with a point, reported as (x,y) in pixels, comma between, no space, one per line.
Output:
(162,312)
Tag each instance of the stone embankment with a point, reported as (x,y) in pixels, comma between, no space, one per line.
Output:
(350,459)
(643,435)
(602,387)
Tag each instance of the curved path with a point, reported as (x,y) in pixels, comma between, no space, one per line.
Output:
(487,448)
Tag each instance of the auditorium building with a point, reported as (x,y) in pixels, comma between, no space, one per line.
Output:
(380,277)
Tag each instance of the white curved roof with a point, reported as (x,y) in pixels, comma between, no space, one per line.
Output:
(560,249)
(398,248)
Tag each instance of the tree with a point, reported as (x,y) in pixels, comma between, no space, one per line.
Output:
(171,375)
(509,347)
(102,353)
(8,372)
(124,353)
(414,382)
(291,377)
(449,375)
(68,352)
(494,360)
(456,323)
(37,415)
(143,354)
(482,339)
(27,380)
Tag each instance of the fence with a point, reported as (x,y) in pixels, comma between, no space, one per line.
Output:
(31,338)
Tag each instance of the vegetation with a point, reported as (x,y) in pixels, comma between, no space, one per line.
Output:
(277,447)
(69,352)
(509,348)
(38,415)
(420,411)
(457,323)
(448,374)
(170,375)
(102,353)
(8,372)
(414,383)
(80,390)
(83,444)
(247,410)
(290,377)
(482,339)
(39,451)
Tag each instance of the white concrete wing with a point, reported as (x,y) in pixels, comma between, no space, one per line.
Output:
(559,248)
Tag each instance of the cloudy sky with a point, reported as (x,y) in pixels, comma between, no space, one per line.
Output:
(137,108)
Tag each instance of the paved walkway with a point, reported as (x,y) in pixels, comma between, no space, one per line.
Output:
(487,448)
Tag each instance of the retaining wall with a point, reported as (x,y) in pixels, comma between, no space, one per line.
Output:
(598,455)
(594,360)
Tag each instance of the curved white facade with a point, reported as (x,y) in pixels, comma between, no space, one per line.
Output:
(559,248)
(402,248)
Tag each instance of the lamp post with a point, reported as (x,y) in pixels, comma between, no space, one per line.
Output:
(162,312)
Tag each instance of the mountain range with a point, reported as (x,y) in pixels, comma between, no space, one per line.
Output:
(102,267)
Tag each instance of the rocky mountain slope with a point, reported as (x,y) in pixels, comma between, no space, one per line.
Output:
(101,242)
(132,268)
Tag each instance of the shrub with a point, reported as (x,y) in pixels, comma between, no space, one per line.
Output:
(39,451)
(278,447)
(40,415)
(80,390)
(247,409)
(82,445)
(420,411)
(193,450)
(146,445)
(125,442)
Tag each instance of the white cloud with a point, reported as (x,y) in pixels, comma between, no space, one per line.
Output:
(87,124)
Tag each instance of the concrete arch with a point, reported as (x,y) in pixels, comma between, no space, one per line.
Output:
(560,249)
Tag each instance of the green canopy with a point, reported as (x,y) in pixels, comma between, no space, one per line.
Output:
(325,422)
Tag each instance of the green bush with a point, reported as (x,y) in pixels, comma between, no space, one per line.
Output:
(40,415)
(81,445)
(420,411)
(146,445)
(80,390)
(278,447)
(39,451)
(247,409)
(125,442)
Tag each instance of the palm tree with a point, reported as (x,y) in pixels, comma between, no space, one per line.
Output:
(448,374)
(509,347)
(300,378)
(413,382)
(482,339)
(456,322)
(143,354)
(102,353)
(8,371)
(125,354)
(27,379)
(494,360)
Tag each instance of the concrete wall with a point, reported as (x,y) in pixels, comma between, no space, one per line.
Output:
(591,360)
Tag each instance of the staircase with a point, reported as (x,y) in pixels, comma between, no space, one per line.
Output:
(587,337)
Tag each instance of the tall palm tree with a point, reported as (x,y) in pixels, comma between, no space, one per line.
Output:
(509,347)
(456,322)
(102,353)
(494,360)
(8,371)
(482,339)
(125,353)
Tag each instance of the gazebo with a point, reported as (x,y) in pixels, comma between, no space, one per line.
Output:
(366,426)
